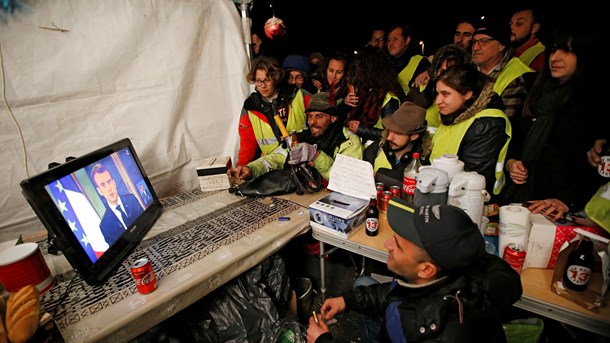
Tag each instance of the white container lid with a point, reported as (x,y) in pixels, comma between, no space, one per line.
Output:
(450,163)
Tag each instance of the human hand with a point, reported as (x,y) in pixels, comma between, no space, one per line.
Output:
(331,307)
(302,152)
(240,173)
(351,99)
(352,125)
(593,155)
(315,329)
(517,171)
(422,79)
(317,84)
(551,208)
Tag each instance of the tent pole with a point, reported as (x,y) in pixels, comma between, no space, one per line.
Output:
(244,6)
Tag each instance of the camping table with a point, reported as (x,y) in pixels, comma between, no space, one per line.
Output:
(537,295)
(200,242)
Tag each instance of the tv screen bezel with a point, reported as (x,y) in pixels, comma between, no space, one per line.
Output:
(94,273)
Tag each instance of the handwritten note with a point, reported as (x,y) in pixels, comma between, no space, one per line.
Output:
(352,177)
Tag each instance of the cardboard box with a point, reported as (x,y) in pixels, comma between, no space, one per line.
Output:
(546,238)
(338,214)
(341,212)
(212,173)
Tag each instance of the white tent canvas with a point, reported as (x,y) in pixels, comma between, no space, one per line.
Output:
(78,75)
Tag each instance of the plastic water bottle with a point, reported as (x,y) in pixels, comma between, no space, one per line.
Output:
(409,180)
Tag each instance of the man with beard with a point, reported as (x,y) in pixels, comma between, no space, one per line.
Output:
(319,145)
(404,133)
(524,27)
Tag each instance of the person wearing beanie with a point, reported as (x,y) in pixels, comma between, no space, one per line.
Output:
(320,143)
(446,288)
(493,55)
(298,69)
(404,133)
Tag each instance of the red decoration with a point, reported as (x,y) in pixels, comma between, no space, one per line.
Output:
(274,27)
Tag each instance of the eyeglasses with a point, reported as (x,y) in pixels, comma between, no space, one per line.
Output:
(482,41)
(381,39)
(266,81)
(297,78)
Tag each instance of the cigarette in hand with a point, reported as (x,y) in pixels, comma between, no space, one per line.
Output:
(315,317)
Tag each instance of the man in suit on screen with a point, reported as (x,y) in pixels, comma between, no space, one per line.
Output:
(121,209)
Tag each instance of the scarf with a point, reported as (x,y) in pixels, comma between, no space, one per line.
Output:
(368,110)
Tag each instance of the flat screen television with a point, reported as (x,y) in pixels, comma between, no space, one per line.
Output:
(96,208)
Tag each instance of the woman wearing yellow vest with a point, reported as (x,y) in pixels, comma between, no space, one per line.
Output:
(258,132)
(473,126)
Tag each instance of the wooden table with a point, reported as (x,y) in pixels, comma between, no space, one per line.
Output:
(115,312)
(537,295)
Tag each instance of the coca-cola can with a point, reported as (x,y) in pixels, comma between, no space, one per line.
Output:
(384,200)
(380,188)
(395,191)
(514,254)
(144,276)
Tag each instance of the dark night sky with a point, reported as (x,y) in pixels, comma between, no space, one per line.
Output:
(326,25)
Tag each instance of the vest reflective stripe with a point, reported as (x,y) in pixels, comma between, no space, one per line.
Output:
(598,208)
(512,70)
(532,52)
(388,96)
(406,74)
(447,140)
(263,131)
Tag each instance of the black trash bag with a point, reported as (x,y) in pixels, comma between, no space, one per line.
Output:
(301,178)
(248,308)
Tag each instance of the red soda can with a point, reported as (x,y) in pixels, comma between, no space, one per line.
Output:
(395,191)
(514,254)
(380,188)
(384,200)
(144,276)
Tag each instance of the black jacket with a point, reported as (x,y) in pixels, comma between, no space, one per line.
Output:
(431,313)
(482,142)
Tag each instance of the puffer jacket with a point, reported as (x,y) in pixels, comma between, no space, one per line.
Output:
(463,307)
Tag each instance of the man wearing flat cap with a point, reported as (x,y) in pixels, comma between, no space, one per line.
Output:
(325,138)
(404,133)
(446,288)
(493,55)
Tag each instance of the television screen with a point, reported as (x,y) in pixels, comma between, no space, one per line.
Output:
(96,208)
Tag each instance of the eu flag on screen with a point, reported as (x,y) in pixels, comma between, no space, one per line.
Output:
(80,216)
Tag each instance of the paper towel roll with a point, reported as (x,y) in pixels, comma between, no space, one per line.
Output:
(514,227)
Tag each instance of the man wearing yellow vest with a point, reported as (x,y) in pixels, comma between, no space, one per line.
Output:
(524,27)
(320,144)
(404,134)
(493,56)
(407,62)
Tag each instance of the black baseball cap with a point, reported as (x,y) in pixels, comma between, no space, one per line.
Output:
(445,232)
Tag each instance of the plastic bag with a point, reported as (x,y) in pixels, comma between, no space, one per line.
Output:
(248,308)
(526,330)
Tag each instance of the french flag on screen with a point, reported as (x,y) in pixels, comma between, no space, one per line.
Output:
(80,215)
